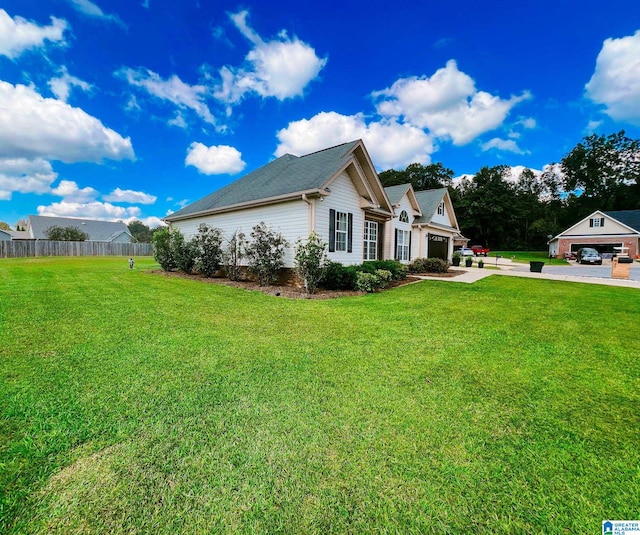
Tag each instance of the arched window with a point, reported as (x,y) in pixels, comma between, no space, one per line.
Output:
(404,218)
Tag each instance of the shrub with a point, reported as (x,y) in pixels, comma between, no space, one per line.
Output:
(56,233)
(384,277)
(311,261)
(338,277)
(398,270)
(209,244)
(367,282)
(185,253)
(429,265)
(265,254)
(234,254)
(163,251)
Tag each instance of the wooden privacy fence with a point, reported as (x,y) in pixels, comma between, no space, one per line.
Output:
(25,248)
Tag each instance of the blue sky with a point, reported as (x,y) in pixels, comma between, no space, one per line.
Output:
(128,109)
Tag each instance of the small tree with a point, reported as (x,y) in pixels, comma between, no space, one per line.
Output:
(163,250)
(56,233)
(233,256)
(265,254)
(209,244)
(311,261)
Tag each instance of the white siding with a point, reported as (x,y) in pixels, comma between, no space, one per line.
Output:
(290,218)
(444,219)
(583,228)
(343,198)
(405,205)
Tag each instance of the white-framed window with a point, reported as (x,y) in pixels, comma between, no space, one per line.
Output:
(342,229)
(370,240)
(596,222)
(402,245)
(404,217)
(441,208)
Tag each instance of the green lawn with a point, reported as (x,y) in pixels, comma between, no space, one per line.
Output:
(526,256)
(137,403)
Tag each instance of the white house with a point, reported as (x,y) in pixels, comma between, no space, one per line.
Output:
(601,230)
(335,192)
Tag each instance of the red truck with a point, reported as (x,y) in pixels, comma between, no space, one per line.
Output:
(478,250)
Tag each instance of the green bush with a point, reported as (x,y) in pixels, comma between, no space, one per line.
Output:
(367,282)
(311,261)
(163,251)
(185,253)
(209,244)
(429,265)
(265,254)
(384,277)
(398,270)
(232,257)
(338,277)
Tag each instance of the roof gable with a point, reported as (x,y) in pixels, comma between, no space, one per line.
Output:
(103,231)
(395,194)
(624,219)
(630,218)
(292,175)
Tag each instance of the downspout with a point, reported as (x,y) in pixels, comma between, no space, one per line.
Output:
(311,221)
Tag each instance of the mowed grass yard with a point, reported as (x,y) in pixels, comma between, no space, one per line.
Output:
(137,403)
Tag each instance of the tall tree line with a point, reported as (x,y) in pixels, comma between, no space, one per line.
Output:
(493,209)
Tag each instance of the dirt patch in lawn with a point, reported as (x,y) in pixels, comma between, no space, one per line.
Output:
(293,292)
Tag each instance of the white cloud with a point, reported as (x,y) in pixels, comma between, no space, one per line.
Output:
(19,34)
(90,210)
(389,143)
(130,196)
(92,10)
(152,221)
(279,68)
(178,121)
(70,192)
(447,104)
(215,160)
(25,176)
(32,126)
(508,145)
(173,90)
(61,86)
(616,80)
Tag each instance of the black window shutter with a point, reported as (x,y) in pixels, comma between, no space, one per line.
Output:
(410,233)
(350,233)
(332,230)
(602,221)
(591,222)
(380,251)
(395,246)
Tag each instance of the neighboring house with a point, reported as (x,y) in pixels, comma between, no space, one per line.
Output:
(335,192)
(5,235)
(425,224)
(98,231)
(601,230)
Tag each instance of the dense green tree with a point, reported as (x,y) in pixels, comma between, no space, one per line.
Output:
(141,232)
(57,233)
(420,176)
(4,226)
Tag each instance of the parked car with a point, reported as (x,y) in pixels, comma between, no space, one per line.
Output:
(587,255)
(465,251)
(479,250)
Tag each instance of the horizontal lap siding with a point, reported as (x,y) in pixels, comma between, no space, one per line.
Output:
(289,218)
(343,198)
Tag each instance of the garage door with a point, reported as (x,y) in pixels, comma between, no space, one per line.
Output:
(437,246)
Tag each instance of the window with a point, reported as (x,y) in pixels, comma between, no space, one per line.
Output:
(402,244)
(404,218)
(441,208)
(340,231)
(596,222)
(370,240)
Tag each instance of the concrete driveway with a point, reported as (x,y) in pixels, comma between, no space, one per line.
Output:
(578,270)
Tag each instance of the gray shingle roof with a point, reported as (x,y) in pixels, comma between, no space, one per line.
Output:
(97,230)
(429,200)
(395,193)
(288,174)
(631,218)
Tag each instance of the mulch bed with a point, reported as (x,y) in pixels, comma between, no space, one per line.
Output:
(293,292)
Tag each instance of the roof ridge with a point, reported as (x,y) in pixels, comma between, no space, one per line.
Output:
(330,148)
